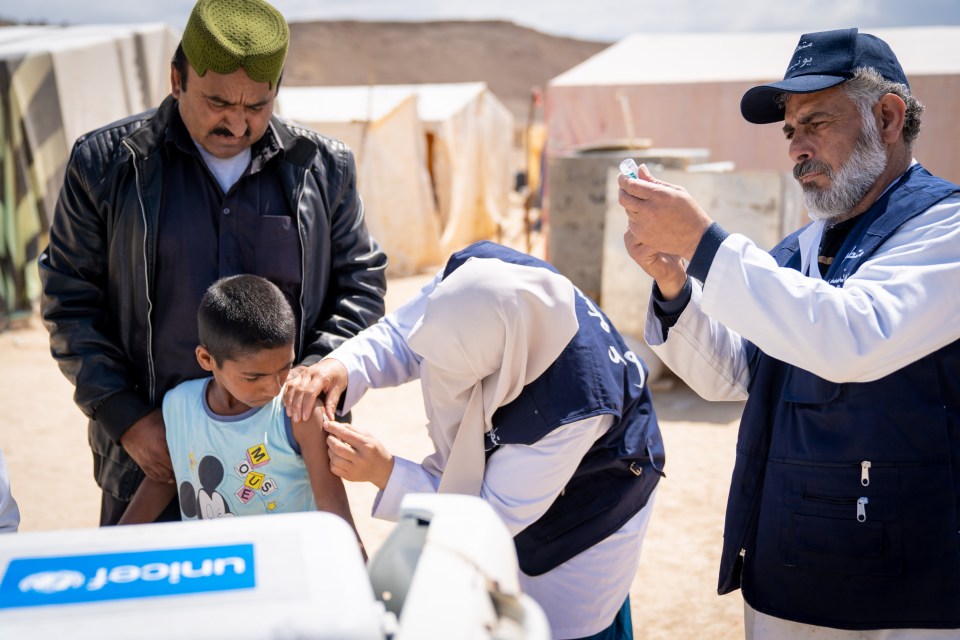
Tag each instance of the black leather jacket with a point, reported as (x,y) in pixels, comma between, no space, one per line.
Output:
(98,270)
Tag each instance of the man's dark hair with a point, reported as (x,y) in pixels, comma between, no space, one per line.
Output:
(243,314)
(180,63)
(866,87)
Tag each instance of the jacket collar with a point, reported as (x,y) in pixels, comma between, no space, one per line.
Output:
(149,137)
(299,149)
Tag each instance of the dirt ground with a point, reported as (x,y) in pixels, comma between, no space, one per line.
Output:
(43,436)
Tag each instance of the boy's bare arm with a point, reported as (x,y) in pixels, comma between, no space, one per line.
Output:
(328,490)
(149,501)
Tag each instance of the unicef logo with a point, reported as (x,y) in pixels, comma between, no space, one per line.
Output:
(52,581)
(29,582)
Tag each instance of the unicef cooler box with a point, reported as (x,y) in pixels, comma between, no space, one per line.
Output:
(448,570)
(279,576)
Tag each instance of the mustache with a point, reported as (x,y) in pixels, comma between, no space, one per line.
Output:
(226,133)
(811,166)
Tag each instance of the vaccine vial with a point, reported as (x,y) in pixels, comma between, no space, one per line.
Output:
(629,168)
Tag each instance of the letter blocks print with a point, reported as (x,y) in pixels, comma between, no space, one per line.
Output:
(245,494)
(254,480)
(258,455)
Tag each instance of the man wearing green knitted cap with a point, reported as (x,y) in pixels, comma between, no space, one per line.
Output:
(156,207)
(234,51)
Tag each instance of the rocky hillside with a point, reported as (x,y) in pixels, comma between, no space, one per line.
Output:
(511,59)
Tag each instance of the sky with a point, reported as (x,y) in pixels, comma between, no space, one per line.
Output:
(603,20)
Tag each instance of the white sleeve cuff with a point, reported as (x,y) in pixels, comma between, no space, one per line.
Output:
(406,477)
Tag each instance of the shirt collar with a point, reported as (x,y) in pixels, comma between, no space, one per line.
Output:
(265,149)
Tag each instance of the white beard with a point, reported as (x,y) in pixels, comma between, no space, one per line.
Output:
(851,182)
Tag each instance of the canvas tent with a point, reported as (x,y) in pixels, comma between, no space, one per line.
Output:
(57,83)
(471,137)
(684,90)
(433,161)
(386,136)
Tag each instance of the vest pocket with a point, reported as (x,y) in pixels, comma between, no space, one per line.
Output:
(591,508)
(577,504)
(841,545)
(830,521)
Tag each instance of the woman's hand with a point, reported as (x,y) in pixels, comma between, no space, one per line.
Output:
(356,455)
(327,379)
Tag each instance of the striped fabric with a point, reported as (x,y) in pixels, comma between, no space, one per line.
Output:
(46,73)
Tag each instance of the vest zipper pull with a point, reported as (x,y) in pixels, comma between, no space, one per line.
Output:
(862,509)
(865,473)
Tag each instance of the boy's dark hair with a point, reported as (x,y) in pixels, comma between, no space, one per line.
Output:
(243,314)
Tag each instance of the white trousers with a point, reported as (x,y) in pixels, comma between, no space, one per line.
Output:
(760,626)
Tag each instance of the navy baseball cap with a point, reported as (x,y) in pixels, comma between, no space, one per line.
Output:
(820,61)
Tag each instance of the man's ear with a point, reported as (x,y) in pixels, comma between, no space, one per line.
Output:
(175,82)
(207,363)
(891,114)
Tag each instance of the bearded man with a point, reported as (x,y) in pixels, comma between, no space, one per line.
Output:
(843,519)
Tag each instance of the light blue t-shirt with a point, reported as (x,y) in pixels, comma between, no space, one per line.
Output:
(246,464)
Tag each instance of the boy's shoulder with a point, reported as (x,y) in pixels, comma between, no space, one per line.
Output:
(186,391)
(191,387)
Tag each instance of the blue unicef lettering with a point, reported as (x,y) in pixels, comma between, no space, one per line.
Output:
(32,582)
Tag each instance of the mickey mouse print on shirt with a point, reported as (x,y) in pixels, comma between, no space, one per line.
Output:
(206,502)
(213,498)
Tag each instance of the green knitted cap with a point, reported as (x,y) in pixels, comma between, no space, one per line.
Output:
(225,35)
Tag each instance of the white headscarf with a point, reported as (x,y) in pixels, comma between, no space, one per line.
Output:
(488,329)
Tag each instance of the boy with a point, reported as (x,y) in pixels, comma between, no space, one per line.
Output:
(234,450)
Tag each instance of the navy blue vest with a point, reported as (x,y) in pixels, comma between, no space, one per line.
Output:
(595,374)
(845,498)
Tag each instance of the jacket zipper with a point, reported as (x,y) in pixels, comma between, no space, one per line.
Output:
(303,265)
(862,509)
(861,503)
(146,278)
(864,470)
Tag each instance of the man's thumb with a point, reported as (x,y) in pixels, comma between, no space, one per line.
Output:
(644,173)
